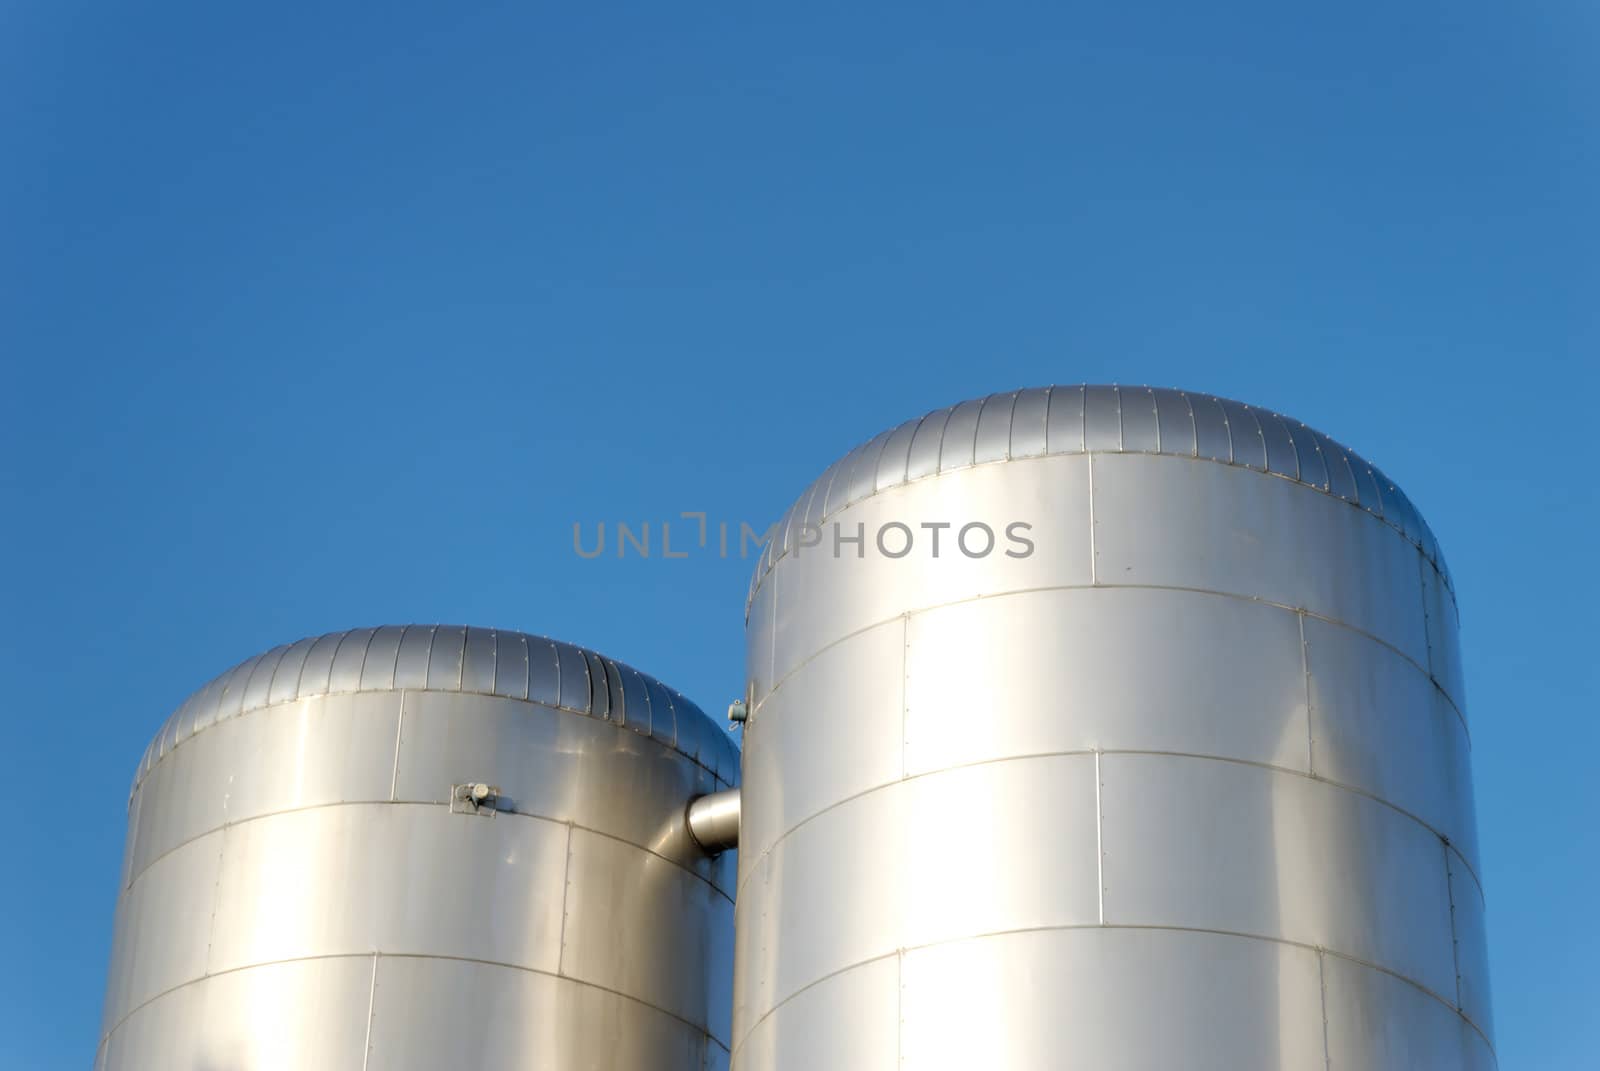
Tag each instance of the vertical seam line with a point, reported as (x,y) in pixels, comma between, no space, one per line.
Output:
(1094,568)
(566,889)
(1305,674)
(216,900)
(372,1003)
(1455,942)
(399,728)
(1099,842)
(900,1007)
(1322,986)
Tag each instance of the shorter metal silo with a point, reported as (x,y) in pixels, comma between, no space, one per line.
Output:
(424,847)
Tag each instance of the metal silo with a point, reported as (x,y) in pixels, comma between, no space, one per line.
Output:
(1157,759)
(424,847)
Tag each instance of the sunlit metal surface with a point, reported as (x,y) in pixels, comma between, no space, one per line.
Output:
(1187,786)
(298,891)
(714,821)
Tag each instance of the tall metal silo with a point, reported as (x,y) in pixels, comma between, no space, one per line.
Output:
(424,847)
(1159,760)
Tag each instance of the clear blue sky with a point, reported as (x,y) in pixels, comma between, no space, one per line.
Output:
(314,318)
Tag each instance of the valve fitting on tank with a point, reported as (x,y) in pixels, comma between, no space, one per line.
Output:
(474,798)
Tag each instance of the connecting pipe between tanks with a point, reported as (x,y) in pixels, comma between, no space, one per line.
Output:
(714,821)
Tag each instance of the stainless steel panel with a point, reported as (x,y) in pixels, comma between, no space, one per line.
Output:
(205,705)
(432,1014)
(165,943)
(923,460)
(163,1034)
(1444,645)
(411,660)
(724,753)
(993,439)
(317,675)
(168,736)
(616,695)
(1064,421)
(1341,481)
(286,681)
(877,873)
(135,806)
(848,1022)
(511,674)
(960,432)
(1206,433)
(545,666)
(1175,423)
(574,676)
(1366,485)
(1203,844)
(1472,946)
(1381,727)
(864,476)
(1210,429)
(835,597)
(1102,421)
(1281,457)
(710,744)
(663,713)
(599,687)
(345,676)
(332,749)
(309,1016)
(1244,433)
(1397,508)
(788,529)
(1378,1022)
(446,656)
(643,927)
(231,698)
(1430,546)
(1313,467)
(1028,423)
(378,668)
(892,465)
(635,701)
(479,661)
(550,764)
(1140,427)
(1271,540)
(116,1003)
(1111,998)
(831,731)
(823,506)
(324,883)
(758,644)
(1071,675)
(259,686)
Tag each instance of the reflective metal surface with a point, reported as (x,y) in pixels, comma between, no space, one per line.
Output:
(714,821)
(1187,786)
(1099,419)
(303,890)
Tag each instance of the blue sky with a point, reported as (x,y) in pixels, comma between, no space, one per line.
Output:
(314,318)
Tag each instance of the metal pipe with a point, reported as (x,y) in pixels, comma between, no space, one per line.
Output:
(714,821)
